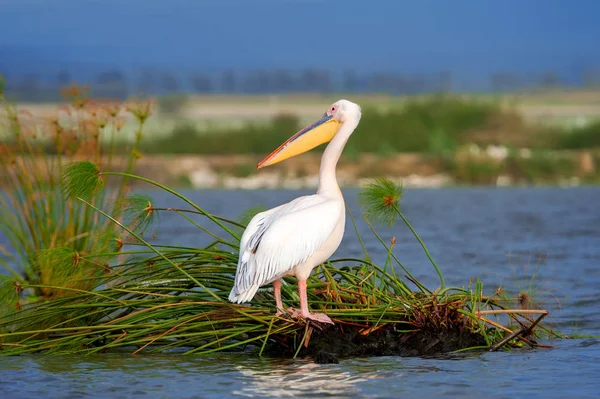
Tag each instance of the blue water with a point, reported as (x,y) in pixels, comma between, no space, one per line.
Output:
(546,241)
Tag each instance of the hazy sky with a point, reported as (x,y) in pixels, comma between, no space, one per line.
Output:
(417,35)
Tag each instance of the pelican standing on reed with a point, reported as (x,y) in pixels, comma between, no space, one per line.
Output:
(294,238)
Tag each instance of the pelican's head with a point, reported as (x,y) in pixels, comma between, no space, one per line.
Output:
(319,132)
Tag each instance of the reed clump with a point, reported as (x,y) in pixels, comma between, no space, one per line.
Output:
(52,238)
(160,298)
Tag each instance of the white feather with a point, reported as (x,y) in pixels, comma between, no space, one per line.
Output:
(278,240)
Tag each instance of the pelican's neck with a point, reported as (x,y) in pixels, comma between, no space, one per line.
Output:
(327,180)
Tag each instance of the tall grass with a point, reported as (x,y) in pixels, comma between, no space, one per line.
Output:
(36,216)
(161,298)
(587,136)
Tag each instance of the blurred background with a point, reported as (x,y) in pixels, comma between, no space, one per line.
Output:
(462,92)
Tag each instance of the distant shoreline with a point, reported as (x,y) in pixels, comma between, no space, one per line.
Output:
(488,167)
(413,170)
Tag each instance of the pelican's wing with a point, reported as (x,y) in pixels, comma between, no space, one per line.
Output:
(277,240)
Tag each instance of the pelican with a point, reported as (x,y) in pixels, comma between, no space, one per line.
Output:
(294,238)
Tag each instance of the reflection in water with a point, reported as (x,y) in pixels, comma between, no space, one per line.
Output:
(309,379)
(351,377)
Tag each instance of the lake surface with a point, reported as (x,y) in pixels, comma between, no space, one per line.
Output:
(545,241)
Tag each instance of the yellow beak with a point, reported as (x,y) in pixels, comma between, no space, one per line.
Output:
(317,133)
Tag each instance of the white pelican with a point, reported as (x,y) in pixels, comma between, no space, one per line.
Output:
(294,238)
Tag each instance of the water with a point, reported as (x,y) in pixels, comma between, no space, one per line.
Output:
(544,240)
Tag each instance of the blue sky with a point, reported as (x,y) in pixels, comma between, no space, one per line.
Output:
(468,36)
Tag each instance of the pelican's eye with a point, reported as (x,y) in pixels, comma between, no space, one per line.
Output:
(332,110)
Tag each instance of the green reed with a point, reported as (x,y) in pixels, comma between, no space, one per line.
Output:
(35,214)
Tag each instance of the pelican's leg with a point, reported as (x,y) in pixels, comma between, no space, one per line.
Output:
(304,312)
(277,292)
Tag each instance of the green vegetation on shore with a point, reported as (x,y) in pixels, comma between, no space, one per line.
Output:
(434,124)
(452,134)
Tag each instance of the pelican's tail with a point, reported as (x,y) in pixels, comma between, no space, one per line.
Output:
(245,296)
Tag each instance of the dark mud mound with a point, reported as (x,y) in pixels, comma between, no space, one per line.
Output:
(331,344)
